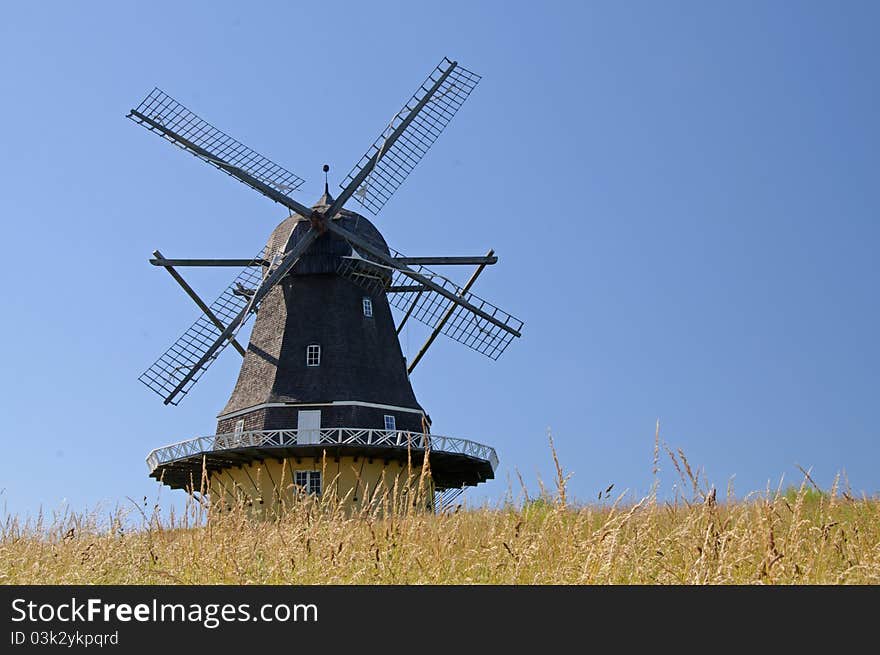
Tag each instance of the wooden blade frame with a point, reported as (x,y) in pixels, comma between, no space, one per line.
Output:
(409,135)
(168,118)
(164,374)
(231,329)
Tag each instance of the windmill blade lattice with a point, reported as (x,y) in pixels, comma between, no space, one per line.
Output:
(397,162)
(162,114)
(429,307)
(166,373)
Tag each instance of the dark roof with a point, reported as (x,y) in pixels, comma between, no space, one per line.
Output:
(325,199)
(314,260)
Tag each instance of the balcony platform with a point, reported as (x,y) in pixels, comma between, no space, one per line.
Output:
(455,463)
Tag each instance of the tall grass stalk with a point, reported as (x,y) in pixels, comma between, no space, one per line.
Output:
(797,536)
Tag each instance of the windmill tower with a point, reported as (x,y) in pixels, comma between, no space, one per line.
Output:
(323,398)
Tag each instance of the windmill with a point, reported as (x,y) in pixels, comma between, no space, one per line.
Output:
(323,377)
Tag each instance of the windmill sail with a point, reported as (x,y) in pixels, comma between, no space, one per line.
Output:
(166,373)
(488,338)
(396,161)
(162,114)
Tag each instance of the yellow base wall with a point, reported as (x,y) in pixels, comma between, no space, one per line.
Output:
(268,486)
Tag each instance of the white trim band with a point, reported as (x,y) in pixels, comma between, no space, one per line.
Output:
(358,403)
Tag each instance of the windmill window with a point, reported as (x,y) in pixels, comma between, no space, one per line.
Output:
(368,308)
(313,355)
(310,481)
(239,427)
(390,422)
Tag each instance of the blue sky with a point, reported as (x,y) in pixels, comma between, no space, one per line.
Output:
(683,198)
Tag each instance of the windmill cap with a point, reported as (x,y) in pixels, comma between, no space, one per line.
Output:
(330,245)
(325,200)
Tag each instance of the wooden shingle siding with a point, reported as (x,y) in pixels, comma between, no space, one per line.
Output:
(361,359)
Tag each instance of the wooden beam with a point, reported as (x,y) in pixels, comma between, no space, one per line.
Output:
(444,261)
(364,244)
(198,301)
(161,261)
(446,316)
(406,288)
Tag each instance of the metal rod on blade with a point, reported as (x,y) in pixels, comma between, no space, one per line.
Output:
(446,316)
(198,301)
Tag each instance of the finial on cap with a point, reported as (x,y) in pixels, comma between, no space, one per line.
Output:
(326,199)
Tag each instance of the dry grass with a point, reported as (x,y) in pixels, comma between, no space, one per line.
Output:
(801,536)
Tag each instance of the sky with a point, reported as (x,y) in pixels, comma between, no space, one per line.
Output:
(683,197)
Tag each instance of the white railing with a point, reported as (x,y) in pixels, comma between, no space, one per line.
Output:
(328,436)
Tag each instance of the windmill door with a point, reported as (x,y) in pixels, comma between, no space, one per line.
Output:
(308,425)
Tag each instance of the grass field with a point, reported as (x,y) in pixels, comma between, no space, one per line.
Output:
(796,536)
